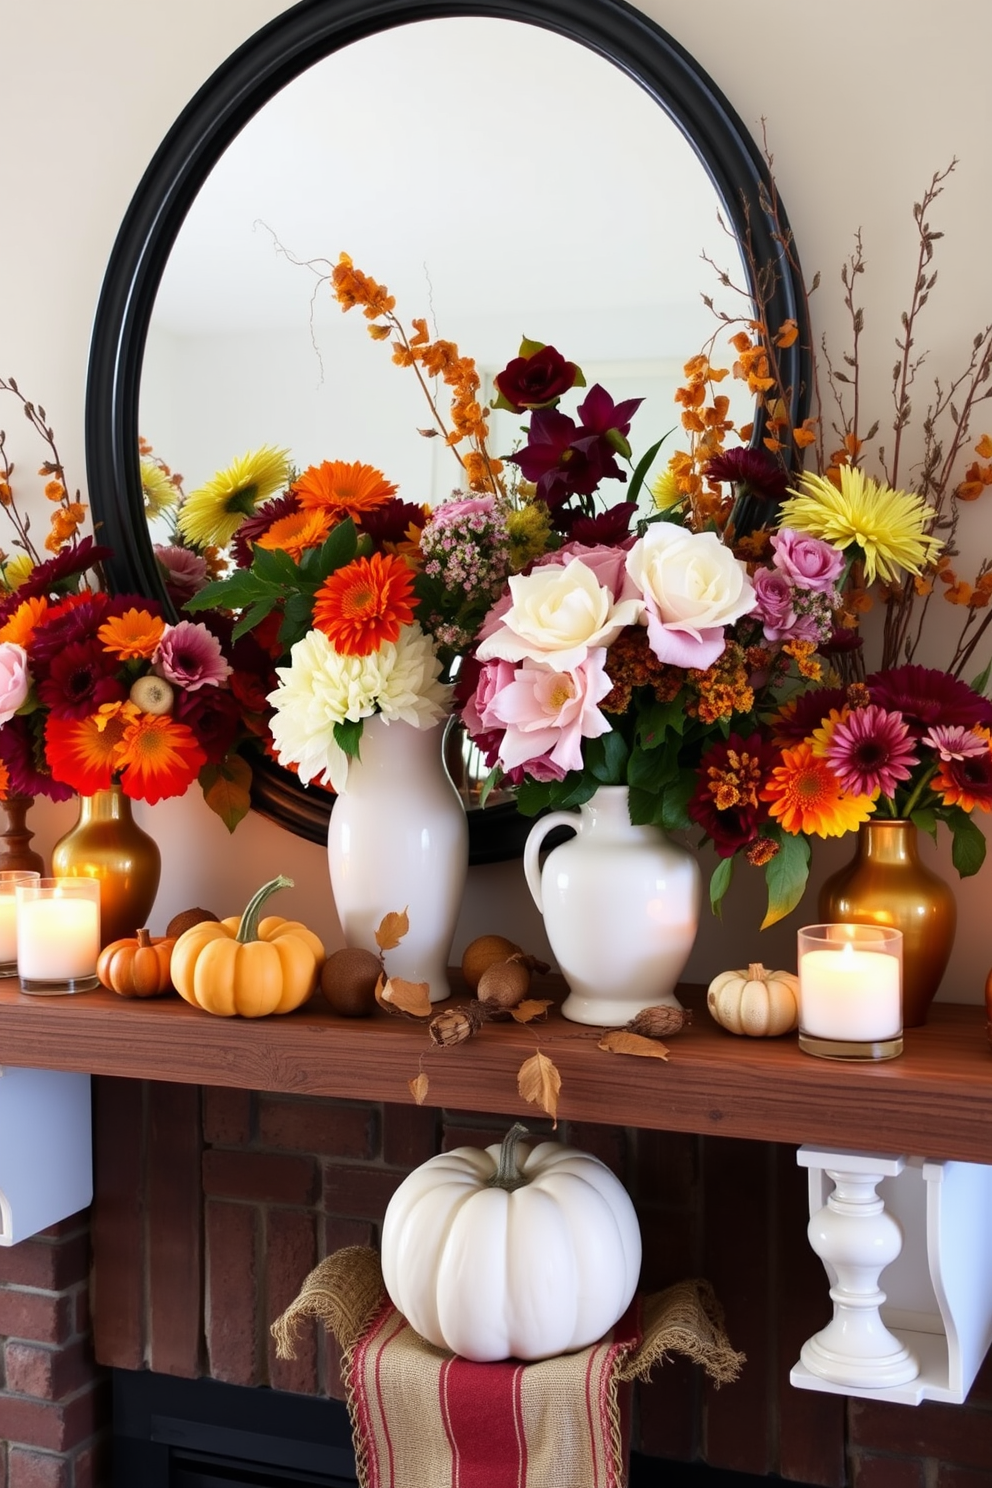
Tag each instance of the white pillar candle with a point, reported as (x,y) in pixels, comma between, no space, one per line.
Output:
(8,929)
(849,994)
(58,938)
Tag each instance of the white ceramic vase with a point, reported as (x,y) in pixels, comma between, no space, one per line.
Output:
(620,906)
(398,839)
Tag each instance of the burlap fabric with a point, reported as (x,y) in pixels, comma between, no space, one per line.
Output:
(422,1418)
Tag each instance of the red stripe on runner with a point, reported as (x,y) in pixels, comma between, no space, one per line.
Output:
(518,1422)
(484,1423)
(399,1323)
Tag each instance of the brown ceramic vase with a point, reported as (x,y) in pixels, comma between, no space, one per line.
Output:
(107,843)
(887,884)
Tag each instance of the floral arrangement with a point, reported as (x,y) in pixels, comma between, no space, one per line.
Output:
(97,689)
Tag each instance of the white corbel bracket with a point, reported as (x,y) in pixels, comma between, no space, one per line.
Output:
(46,1149)
(923,1333)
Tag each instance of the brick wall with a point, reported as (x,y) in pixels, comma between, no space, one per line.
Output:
(213,1204)
(54,1399)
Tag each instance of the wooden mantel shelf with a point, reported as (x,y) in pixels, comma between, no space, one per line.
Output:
(935,1100)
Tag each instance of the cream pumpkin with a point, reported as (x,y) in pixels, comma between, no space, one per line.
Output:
(511,1252)
(755,1002)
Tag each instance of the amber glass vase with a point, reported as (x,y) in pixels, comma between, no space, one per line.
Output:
(107,843)
(887,884)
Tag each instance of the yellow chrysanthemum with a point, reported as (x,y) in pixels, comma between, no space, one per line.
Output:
(157,490)
(213,513)
(529,528)
(888,526)
(665,492)
(17,570)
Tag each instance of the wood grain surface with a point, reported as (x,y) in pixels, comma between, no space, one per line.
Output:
(934,1100)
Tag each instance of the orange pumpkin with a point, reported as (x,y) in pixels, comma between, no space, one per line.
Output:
(138,966)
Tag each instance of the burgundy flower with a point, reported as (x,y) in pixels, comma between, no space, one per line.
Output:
(727,801)
(190,656)
(388,523)
(566,459)
(184,572)
(76,623)
(843,639)
(797,720)
(751,472)
(22,749)
(80,679)
(535,381)
(214,715)
(926,697)
(611,527)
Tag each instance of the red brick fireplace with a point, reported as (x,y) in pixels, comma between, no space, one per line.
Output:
(213,1203)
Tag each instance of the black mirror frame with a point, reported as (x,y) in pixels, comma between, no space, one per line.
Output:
(265,63)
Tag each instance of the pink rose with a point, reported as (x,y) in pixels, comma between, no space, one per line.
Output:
(469,506)
(15,680)
(548,712)
(493,678)
(774,608)
(806,561)
(609,564)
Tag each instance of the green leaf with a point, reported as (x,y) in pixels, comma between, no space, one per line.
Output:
(529,348)
(982,680)
(647,808)
(720,883)
(643,466)
(239,589)
(348,735)
(659,719)
(296,619)
(652,769)
(606,757)
(274,566)
(490,783)
(926,819)
(251,617)
(675,802)
(533,796)
(786,876)
(338,549)
(967,842)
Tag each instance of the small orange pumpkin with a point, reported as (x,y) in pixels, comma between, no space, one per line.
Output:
(137,966)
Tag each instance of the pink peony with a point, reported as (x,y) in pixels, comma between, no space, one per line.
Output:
(190,656)
(549,712)
(15,680)
(806,561)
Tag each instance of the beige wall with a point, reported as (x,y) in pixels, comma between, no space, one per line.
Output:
(864,100)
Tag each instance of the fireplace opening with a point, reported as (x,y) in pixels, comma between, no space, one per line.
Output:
(181,1433)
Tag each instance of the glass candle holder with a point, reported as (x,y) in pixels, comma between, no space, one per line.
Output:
(58,934)
(850,991)
(9,879)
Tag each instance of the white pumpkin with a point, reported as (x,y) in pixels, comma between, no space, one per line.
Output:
(756,1002)
(511,1252)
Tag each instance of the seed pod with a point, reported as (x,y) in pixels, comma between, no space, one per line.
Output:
(503,985)
(455,1025)
(660,1022)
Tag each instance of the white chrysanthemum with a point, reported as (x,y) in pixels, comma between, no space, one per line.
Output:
(321,688)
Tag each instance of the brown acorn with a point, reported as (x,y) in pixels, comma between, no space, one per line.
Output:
(348,981)
(185,920)
(503,985)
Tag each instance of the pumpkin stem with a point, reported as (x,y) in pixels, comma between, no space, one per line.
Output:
(507,1175)
(756,972)
(248,929)
(144,939)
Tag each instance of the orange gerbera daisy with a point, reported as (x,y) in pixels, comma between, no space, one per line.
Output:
(806,796)
(343,490)
(158,757)
(4,781)
(23,622)
(297,532)
(365,603)
(82,752)
(133,635)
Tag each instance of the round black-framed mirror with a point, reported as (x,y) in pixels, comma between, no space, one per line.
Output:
(250,77)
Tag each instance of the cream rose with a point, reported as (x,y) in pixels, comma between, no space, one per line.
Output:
(15,679)
(558,615)
(693,588)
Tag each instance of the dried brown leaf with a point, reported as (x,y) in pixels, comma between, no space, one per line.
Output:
(534,1007)
(406,997)
(619,1041)
(419,1088)
(539,1082)
(392,928)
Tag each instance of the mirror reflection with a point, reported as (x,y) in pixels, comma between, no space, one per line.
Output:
(503,180)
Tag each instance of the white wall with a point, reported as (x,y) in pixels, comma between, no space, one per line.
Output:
(863,103)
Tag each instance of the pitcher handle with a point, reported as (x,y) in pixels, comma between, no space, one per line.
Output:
(532,848)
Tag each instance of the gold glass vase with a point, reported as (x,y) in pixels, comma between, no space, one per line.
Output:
(107,843)
(887,884)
